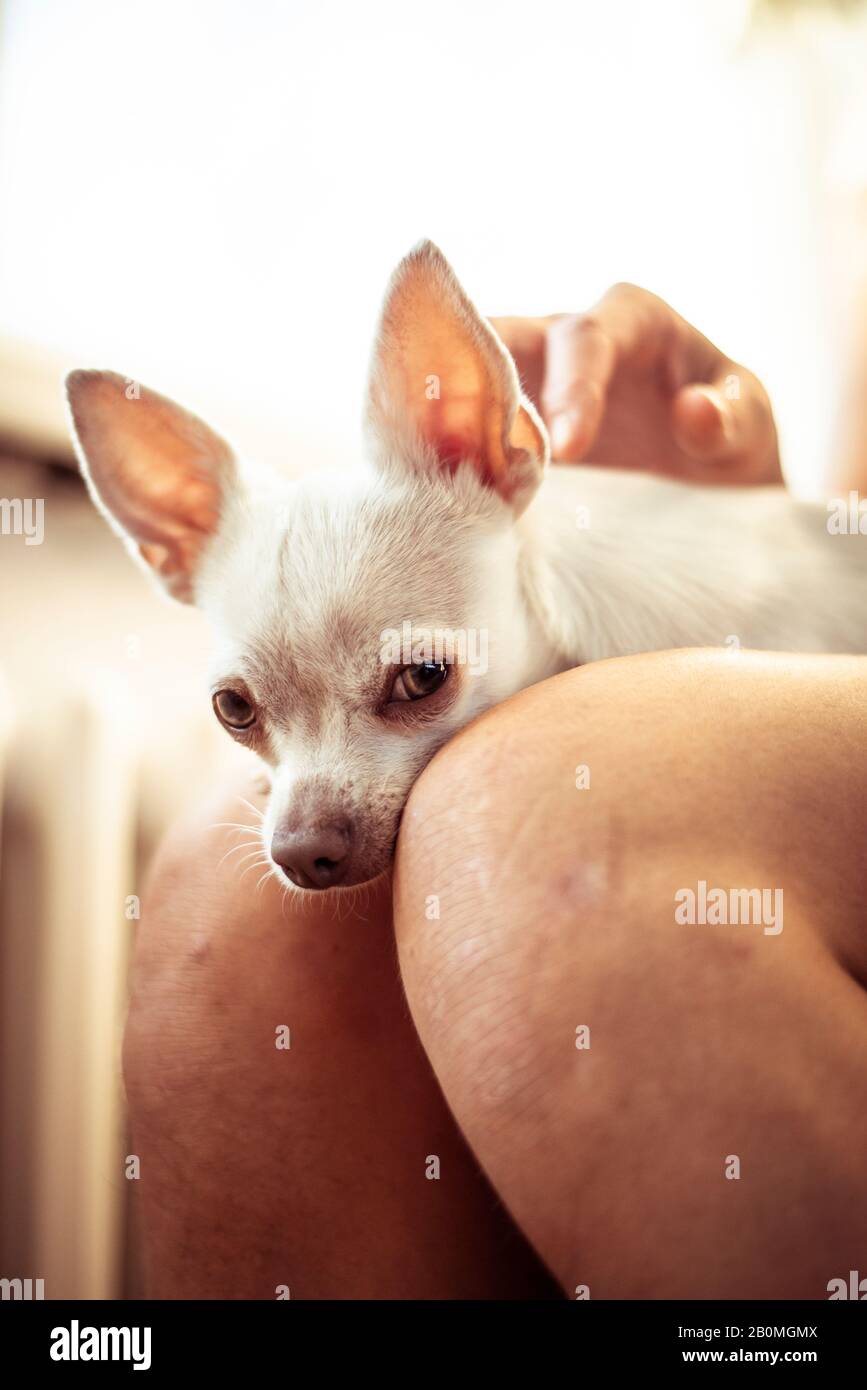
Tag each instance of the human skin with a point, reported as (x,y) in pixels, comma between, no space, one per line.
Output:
(556,909)
(267,1169)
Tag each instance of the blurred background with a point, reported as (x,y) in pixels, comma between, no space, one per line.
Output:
(209,197)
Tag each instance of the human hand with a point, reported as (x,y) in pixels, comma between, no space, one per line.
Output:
(633,385)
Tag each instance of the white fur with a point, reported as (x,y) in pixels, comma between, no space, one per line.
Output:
(665,564)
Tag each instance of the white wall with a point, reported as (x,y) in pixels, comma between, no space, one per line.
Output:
(211,195)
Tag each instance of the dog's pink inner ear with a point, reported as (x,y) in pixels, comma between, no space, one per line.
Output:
(442,376)
(159,472)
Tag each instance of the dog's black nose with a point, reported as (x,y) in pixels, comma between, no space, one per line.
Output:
(313,858)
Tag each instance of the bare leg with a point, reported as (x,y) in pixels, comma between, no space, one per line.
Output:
(302,1167)
(708,1044)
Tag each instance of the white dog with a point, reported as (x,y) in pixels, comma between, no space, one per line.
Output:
(364,618)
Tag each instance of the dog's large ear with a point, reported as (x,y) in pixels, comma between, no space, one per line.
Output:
(159,474)
(444,390)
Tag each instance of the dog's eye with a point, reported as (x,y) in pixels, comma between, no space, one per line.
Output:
(415,682)
(233,710)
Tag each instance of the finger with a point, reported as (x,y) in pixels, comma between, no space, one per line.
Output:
(702,422)
(585,350)
(729,423)
(579,362)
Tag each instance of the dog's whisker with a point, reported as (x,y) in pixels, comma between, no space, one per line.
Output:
(245,844)
(255,841)
(252,866)
(364,896)
(269,873)
(255,853)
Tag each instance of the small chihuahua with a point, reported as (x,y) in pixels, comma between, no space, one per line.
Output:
(347,607)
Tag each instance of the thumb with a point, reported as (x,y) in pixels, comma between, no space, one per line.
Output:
(728,423)
(703,422)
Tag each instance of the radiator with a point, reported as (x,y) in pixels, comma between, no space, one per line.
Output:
(106,734)
(68,865)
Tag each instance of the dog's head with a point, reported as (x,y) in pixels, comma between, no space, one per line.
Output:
(361,618)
